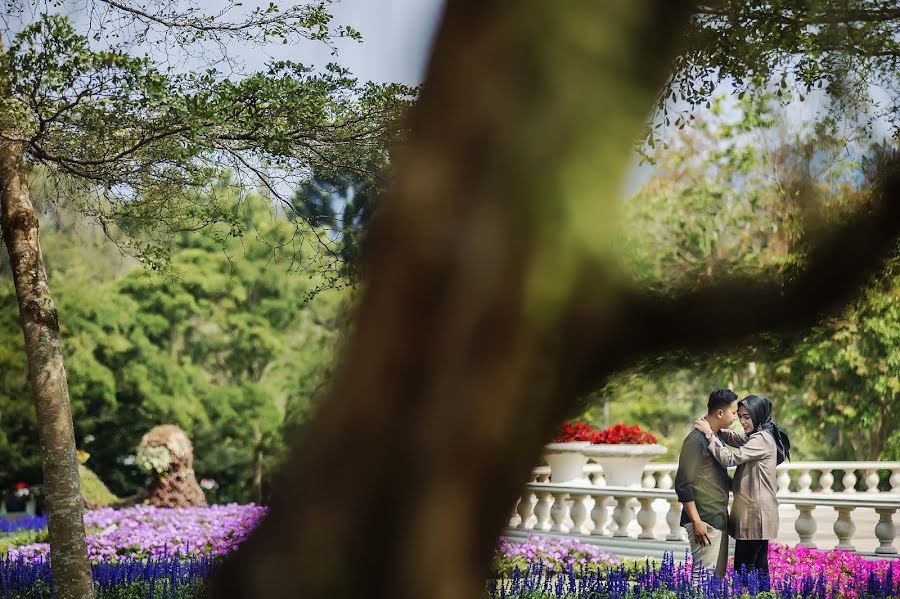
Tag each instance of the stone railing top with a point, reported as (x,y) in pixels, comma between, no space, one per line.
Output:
(672,466)
(857,500)
(884,500)
(841,465)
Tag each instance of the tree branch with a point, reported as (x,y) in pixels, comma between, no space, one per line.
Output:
(183,21)
(40,151)
(831,17)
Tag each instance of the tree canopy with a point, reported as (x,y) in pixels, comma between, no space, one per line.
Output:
(138,147)
(844,55)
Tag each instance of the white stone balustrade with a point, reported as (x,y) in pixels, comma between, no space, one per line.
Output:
(792,477)
(633,528)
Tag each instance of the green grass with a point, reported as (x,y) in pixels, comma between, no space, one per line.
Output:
(23,537)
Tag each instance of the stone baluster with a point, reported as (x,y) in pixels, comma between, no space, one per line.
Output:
(826,481)
(895,481)
(804,481)
(581,522)
(886,531)
(515,518)
(542,510)
(649,481)
(673,520)
(622,516)
(844,528)
(598,479)
(849,481)
(783,481)
(871,480)
(665,480)
(646,518)
(525,509)
(600,515)
(806,526)
(559,513)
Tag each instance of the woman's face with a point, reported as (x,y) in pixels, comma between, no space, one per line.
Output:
(746,421)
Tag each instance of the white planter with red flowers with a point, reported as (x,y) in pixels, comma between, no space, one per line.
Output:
(623,464)
(622,451)
(567,461)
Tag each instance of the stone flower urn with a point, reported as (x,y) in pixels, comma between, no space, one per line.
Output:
(623,464)
(567,461)
(622,451)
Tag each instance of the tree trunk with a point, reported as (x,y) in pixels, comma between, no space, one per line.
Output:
(490,303)
(447,392)
(47,376)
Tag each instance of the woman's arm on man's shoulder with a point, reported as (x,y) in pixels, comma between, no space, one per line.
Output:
(756,448)
(732,438)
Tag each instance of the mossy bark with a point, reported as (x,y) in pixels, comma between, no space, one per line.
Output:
(47,377)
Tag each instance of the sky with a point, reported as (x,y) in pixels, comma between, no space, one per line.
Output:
(396,40)
(396,34)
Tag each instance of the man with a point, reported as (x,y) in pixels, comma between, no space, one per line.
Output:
(702,485)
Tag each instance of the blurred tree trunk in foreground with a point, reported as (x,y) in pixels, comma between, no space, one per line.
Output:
(492,302)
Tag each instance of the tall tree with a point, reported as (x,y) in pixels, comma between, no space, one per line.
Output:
(140,146)
(483,322)
(46,373)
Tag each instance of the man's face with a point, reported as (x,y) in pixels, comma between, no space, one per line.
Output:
(730,414)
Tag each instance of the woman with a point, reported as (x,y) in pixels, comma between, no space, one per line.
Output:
(754,513)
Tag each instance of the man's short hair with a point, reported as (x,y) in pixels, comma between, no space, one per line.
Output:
(720,399)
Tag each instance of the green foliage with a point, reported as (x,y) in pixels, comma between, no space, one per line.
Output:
(726,198)
(847,371)
(160,589)
(504,566)
(140,148)
(892,447)
(22,537)
(227,347)
(834,50)
(94,491)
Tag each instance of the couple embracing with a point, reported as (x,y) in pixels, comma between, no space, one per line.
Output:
(702,484)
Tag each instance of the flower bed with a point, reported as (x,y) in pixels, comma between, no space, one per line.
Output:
(155,553)
(670,580)
(554,554)
(150,532)
(10,524)
(549,567)
(841,571)
(162,578)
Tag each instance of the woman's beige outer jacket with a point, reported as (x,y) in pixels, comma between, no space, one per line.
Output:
(754,512)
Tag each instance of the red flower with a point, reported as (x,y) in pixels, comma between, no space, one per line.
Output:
(569,432)
(620,433)
(21,486)
(617,434)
